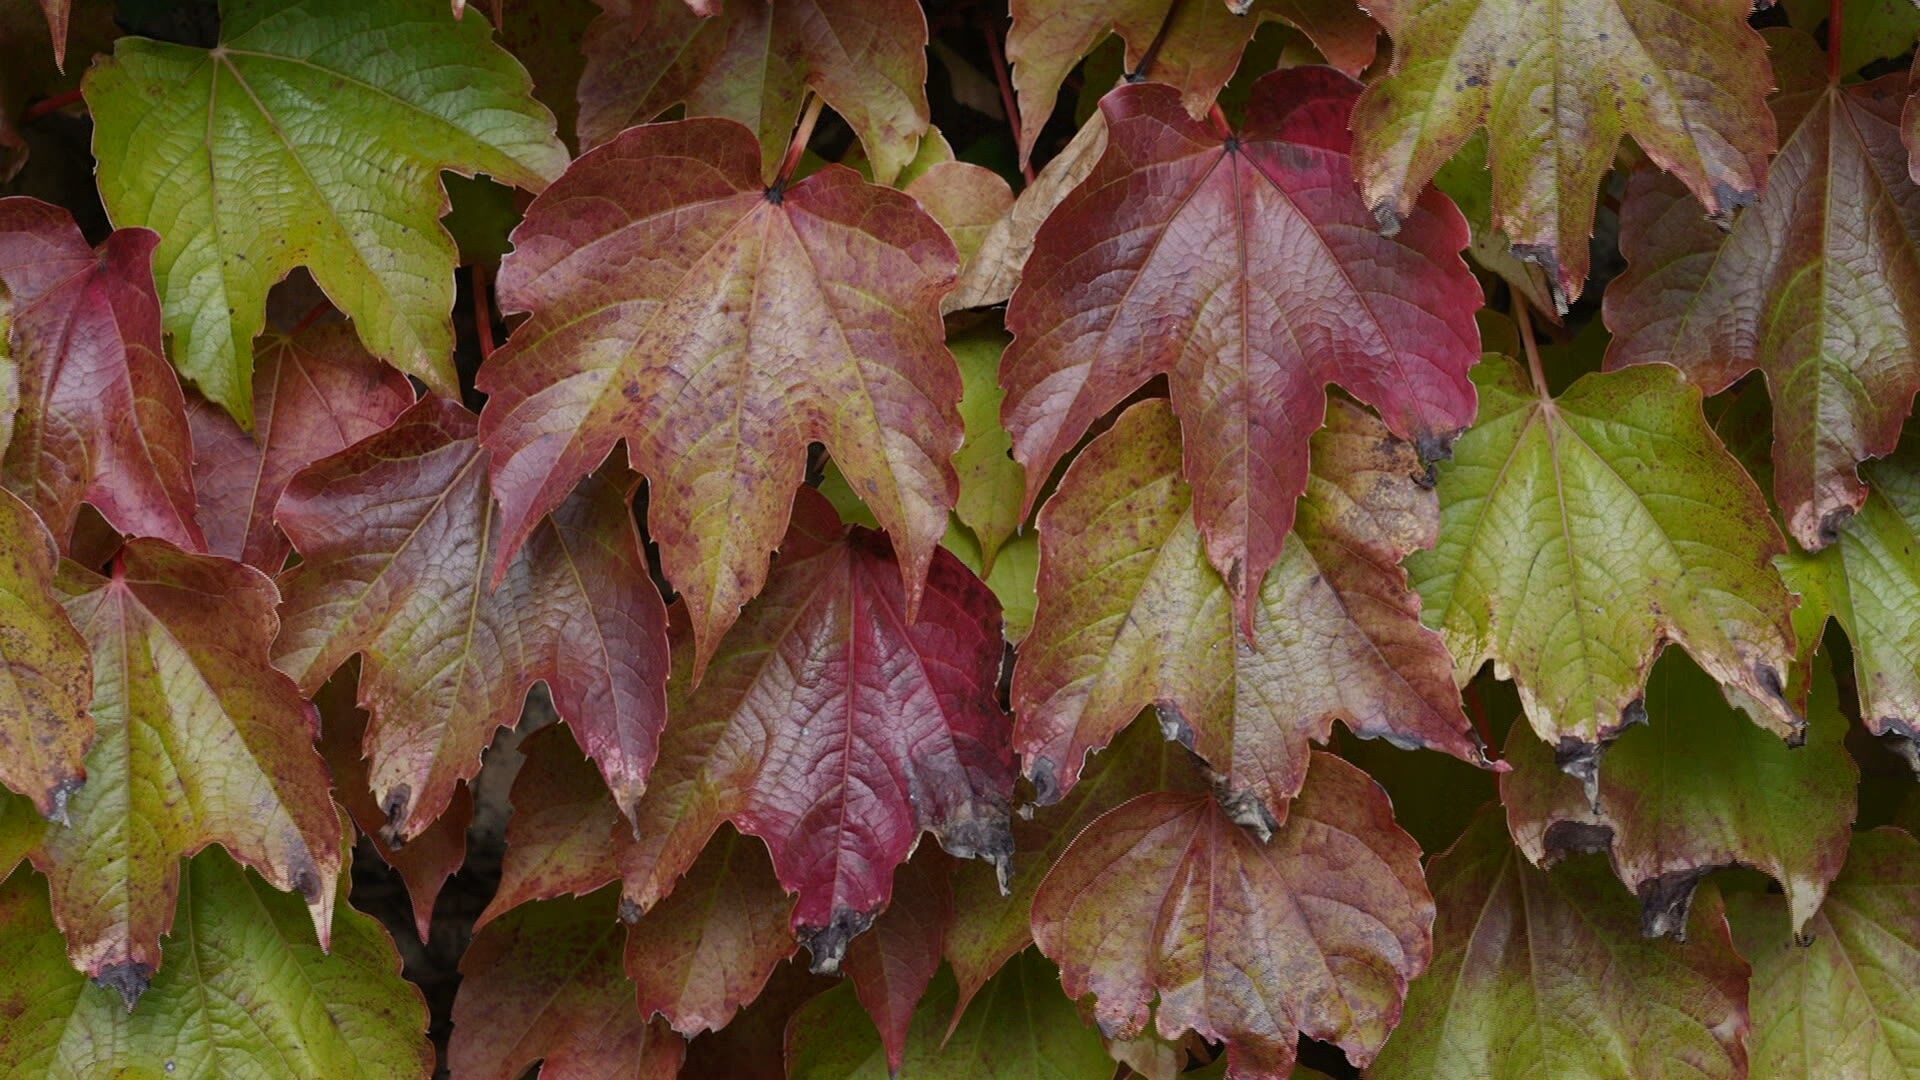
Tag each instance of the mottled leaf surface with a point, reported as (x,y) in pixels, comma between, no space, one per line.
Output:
(1132,616)
(1546,974)
(719,328)
(1557,87)
(246,994)
(565,835)
(313,135)
(46,670)
(198,741)
(1841,1006)
(101,418)
(1246,269)
(1581,532)
(1818,287)
(1315,932)
(755,61)
(397,536)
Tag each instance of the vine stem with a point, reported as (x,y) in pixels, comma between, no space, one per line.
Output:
(1524,317)
(1144,68)
(801,134)
(46,106)
(311,317)
(481,281)
(1008,103)
(1835,9)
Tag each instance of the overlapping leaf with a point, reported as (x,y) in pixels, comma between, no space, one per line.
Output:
(1557,86)
(1701,789)
(837,728)
(565,836)
(755,61)
(719,326)
(1818,287)
(313,135)
(397,536)
(892,965)
(1193,47)
(101,418)
(1244,267)
(1579,533)
(46,670)
(198,741)
(246,994)
(1539,974)
(543,984)
(1841,1006)
(1132,616)
(315,393)
(1314,932)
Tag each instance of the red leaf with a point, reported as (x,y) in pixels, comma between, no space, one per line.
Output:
(719,327)
(314,394)
(1247,269)
(101,416)
(1316,932)
(565,835)
(396,535)
(891,966)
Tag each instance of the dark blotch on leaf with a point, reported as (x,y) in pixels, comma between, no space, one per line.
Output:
(131,979)
(1665,900)
(828,944)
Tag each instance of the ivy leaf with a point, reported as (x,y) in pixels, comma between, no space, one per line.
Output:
(966,199)
(1195,47)
(1020,1028)
(1557,87)
(101,418)
(708,949)
(1701,789)
(396,536)
(719,327)
(543,984)
(754,61)
(1314,932)
(992,484)
(198,741)
(993,270)
(58,13)
(313,135)
(565,836)
(1131,616)
(1836,1001)
(1538,974)
(891,965)
(1246,269)
(1578,534)
(753,1046)
(838,729)
(315,393)
(1818,287)
(246,995)
(46,670)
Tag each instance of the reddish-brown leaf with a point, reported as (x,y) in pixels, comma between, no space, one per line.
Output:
(1817,286)
(199,741)
(101,416)
(57,13)
(1314,932)
(396,536)
(891,966)
(543,984)
(46,671)
(1246,268)
(565,835)
(719,327)
(314,394)
(838,728)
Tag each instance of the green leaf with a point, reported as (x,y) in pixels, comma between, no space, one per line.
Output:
(314,135)
(1579,534)
(46,670)
(1874,29)
(246,994)
(993,486)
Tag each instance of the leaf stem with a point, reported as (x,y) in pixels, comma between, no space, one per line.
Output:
(1522,316)
(310,318)
(49,105)
(1008,103)
(481,281)
(1835,9)
(1144,68)
(801,134)
(1218,118)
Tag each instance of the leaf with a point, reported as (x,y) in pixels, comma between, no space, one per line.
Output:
(1020,1028)
(1557,87)
(396,536)
(708,949)
(246,996)
(543,984)
(565,835)
(753,1046)
(198,741)
(1840,1006)
(1874,30)
(1579,534)
(966,199)
(1466,180)
(1538,974)
(1131,617)
(992,484)
(838,729)
(1816,288)
(1314,932)
(993,271)
(1701,789)
(719,330)
(755,61)
(100,418)
(1195,47)
(1246,270)
(316,393)
(314,135)
(891,965)
(46,671)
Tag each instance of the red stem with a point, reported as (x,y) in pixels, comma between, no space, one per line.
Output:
(482,316)
(1834,21)
(1218,119)
(310,318)
(1007,102)
(1476,709)
(1521,316)
(801,134)
(48,105)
